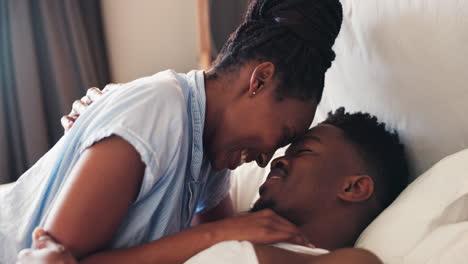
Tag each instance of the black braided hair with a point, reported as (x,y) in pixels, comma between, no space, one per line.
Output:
(380,149)
(295,35)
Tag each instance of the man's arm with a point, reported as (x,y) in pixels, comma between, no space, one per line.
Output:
(274,255)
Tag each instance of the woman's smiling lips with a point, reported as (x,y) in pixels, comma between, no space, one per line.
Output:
(241,158)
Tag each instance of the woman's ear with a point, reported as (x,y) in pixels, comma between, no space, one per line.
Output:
(261,75)
(357,188)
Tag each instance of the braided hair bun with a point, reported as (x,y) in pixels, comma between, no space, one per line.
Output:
(296,35)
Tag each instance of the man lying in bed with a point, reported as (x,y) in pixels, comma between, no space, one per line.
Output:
(331,184)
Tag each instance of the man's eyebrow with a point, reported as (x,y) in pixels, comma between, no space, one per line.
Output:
(300,142)
(312,137)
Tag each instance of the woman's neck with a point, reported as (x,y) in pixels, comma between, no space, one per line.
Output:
(214,98)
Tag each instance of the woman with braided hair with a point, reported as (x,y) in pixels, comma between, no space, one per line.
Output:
(169,140)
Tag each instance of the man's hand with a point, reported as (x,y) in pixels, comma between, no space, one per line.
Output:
(46,251)
(263,227)
(79,106)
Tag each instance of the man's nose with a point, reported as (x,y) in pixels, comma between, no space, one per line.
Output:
(279,163)
(263,159)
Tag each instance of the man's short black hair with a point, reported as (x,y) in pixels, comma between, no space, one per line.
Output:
(381,150)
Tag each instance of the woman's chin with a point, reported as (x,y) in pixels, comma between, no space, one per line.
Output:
(229,162)
(219,165)
(232,165)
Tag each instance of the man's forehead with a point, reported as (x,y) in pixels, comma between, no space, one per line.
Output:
(310,136)
(323,133)
(324,136)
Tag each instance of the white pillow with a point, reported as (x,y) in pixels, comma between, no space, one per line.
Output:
(407,63)
(428,221)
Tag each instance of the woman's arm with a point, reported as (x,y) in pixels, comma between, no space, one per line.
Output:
(264,227)
(100,189)
(176,248)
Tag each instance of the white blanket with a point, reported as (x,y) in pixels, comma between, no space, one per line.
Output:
(234,252)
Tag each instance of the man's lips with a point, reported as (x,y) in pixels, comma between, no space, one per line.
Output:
(276,175)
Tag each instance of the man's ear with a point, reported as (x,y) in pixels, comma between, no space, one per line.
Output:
(261,76)
(357,188)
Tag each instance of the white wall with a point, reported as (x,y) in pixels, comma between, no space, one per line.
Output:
(147,36)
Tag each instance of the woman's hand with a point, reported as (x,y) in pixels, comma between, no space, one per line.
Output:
(46,251)
(263,227)
(79,106)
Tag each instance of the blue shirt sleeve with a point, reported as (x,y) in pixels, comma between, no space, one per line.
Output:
(148,113)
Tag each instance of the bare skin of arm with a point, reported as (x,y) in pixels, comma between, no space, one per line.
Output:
(172,249)
(97,196)
(264,227)
(273,255)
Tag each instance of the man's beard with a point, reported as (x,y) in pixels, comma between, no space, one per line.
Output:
(268,204)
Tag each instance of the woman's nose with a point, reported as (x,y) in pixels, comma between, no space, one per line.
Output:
(263,159)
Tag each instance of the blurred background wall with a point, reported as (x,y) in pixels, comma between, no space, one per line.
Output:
(51,51)
(147,36)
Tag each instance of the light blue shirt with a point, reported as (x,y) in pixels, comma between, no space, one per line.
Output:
(162,117)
